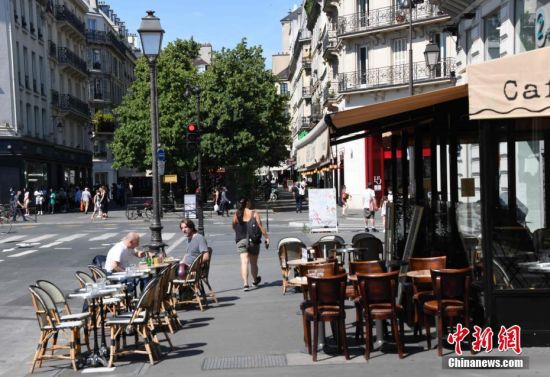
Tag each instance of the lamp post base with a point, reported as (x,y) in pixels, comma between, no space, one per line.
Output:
(156,246)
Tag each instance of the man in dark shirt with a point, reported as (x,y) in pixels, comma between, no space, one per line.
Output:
(19,205)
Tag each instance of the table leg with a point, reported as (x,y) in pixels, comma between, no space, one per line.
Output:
(103,351)
(95,359)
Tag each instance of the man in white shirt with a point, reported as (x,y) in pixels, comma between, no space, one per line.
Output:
(119,255)
(85,197)
(369,206)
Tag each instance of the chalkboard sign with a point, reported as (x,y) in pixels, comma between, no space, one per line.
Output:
(409,246)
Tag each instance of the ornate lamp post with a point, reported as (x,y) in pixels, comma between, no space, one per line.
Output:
(431,55)
(151,34)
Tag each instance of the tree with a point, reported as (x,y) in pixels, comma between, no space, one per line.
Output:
(132,140)
(244,124)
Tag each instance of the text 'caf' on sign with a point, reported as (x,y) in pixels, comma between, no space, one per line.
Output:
(171,178)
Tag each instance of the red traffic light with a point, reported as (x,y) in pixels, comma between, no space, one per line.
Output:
(191,128)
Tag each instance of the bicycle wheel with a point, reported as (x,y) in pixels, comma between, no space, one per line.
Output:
(131,214)
(148,212)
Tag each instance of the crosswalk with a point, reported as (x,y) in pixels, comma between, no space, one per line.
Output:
(15,246)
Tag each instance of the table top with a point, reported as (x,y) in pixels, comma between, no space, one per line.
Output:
(346,249)
(83,293)
(419,274)
(123,275)
(301,262)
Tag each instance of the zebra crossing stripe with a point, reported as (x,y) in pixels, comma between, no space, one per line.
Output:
(51,244)
(41,238)
(22,253)
(103,237)
(12,238)
(168,236)
(72,237)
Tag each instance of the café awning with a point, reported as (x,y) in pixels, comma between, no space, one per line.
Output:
(511,87)
(314,149)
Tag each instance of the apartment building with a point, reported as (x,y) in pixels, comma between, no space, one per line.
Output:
(55,73)
(110,57)
(346,54)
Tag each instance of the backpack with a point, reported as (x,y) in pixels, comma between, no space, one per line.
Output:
(253,231)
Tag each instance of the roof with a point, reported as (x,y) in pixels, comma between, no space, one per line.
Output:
(293,15)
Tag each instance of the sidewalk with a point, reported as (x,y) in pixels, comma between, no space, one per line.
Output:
(259,333)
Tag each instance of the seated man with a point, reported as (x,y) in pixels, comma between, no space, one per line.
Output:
(194,243)
(119,255)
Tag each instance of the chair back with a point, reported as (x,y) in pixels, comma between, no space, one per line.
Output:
(357,240)
(327,243)
(97,273)
(378,288)
(83,278)
(372,252)
(365,267)
(432,263)
(290,248)
(195,269)
(205,267)
(451,284)
(326,269)
(146,301)
(42,313)
(541,239)
(49,305)
(327,290)
(53,291)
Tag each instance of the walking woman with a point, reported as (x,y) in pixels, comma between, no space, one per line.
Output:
(97,204)
(248,251)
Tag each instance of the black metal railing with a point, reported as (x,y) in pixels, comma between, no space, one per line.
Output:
(55,98)
(329,41)
(52,49)
(306,92)
(96,36)
(64,14)
(117,43)
(385,17)
(394,75)
(105,127)
(66,56)
(68,102)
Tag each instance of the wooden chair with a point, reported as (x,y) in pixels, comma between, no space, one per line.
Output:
(50,329)
(139,321)
(192,281)
(327,304)
(452,293)
(370,248)
(205,272)
(327,243)
(357,239)
(422,287)
(378,295)
(289,248)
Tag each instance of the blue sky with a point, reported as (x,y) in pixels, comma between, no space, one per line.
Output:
(223,23)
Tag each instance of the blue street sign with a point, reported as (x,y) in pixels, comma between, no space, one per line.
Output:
(160,155)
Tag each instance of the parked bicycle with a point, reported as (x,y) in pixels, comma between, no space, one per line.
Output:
(6,219)
(134,212)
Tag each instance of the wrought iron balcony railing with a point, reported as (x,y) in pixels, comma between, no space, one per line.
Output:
(385,17)
(394,75)
(64,14)
(68,102)
(329,41)
(66,56)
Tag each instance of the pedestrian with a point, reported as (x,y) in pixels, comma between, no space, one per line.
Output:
(53,199)
(97,204)
(194,244)
(26,201)
(78,199)
(39,199)
(369,206)
(224,201)
(217,200)
(19,206)
(105,202)
(344,197)
(118,257)
(245,222)
(85,199)
(301,195)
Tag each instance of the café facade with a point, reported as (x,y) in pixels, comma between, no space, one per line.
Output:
(473,156)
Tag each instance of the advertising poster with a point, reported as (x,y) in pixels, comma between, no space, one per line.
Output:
(322,210)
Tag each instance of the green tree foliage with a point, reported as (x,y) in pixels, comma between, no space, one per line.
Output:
(132,140)
(244,115)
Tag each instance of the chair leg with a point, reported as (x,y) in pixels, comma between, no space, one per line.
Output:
(315,338)
(427,326)
(72,350)
(439,320)
(368,337)
(343,338)
(307,333)
(358,321)
(147,340)
(397,336)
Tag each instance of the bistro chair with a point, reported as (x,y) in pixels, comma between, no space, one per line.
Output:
(452,293)
(97,272)
(192,282)
(139,322)
(422,286)
(357,239)
(289,248)
(205,272)
(159,318)
(378,295)
(168,303)
(327,304)
(60,302)
(50,328)
(326,243)
(109,303)
(541,240)
(368,249)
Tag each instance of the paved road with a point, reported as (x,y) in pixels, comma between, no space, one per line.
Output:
(261,324)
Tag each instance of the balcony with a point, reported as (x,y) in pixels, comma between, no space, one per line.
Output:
(66,17)
(394,76)
(105,127)
(329,94)
(73,105)
(306,92)
(98,96)
(329,44)
(70,59)
(316,112)
(385,17)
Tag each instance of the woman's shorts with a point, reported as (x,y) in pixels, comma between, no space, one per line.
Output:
(241,248)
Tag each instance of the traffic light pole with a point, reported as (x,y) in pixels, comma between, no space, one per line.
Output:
(200,214)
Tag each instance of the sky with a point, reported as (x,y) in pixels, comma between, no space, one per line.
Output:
(223,23)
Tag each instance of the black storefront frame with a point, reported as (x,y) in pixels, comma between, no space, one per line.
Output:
(501,307)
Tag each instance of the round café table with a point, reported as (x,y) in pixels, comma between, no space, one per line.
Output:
(301,262)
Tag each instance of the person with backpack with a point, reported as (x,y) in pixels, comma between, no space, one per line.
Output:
(248,228)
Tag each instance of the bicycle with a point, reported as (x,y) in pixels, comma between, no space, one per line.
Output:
(133,212)
(6,216)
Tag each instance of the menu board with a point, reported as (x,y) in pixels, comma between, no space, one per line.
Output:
(322,210)
(190,206)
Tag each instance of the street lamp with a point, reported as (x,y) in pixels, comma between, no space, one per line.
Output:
(151,34)
(431,55)
(196,90)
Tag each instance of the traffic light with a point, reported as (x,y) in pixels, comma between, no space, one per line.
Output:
(193,137)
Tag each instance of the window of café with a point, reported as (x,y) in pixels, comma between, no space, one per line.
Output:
(525,25)
(36,174)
